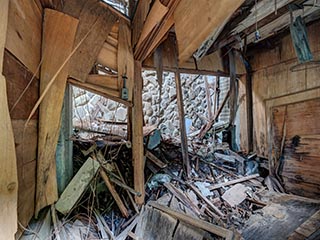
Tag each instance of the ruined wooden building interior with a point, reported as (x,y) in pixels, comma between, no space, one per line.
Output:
(160,119)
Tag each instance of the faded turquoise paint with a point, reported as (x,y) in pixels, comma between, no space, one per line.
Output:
(64,147)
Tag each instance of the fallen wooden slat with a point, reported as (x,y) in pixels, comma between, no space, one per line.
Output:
(307,228)
(77,186)
(103,81)
(207,201)
(235,195)
(114,194)
(149,155)
(8,167)
(225,158)
(243,179)
(194,22)
(103,227)
(58,37)
(100,20)
(220,231)
(123,235)
(108,93)
(180,195)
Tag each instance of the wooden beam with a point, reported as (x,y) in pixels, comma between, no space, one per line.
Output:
(100,22)
(8,162)
(183,132)
(77,186)
(106,81)
(217,230)
(114,194)
(233,90)
(125,58)
(139,19)
(106,92)
(57,43)
(224,184)
(196,21)
(137,135)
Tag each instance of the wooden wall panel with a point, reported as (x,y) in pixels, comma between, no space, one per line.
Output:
(301,166)
(24,32)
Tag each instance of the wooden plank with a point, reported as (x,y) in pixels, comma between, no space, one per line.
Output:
(77,186)
(106,92)
(220,231)
(74,7)
(137,134)
(125,58)
(183,131)
(103,81)
(310,226)
(108,56)
(8,167)
(194,22)
(58,38)
(156,14)
(100,22)
(139,19)
(114,194)
(242,179)
(24,32)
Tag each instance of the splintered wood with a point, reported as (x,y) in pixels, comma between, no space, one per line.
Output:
(58,37)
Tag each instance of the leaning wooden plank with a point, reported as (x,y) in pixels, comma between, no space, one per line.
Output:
(8,162)
(77,186)
(137,135)
(139,19)
(125,58)
(196,20)
(100,21)
(114,194)
(220,231)
(243,179)
(157,13)
(58,38)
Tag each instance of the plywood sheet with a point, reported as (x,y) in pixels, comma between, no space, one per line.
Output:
(196,20)
(24,32)
(58,39)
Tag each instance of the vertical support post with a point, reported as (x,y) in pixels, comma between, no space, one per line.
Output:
(184,141)
(209,104)
(137,134)
(233,96)
(249,106)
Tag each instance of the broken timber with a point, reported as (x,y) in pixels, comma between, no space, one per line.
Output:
(77,186)
(243,179)
(58,37)
(220,231)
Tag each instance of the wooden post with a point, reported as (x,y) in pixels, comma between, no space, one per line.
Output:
(233,90)
(183,132)
(249,106)
(137,134)
(8,162)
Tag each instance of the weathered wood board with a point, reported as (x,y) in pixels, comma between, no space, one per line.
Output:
(8,167)
(24,32)
(98,21)
(196,20)
(76,187)
(58,38)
